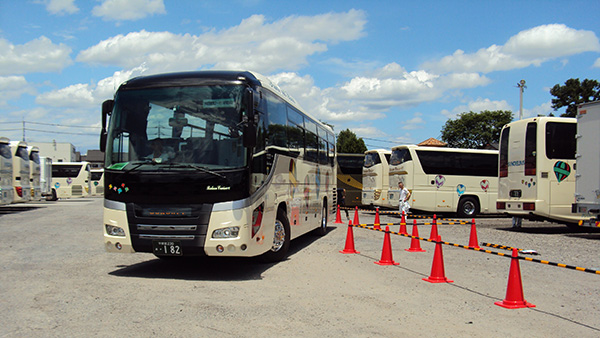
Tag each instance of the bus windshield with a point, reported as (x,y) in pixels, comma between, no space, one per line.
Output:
(177,128)
(371,159)
(400,156)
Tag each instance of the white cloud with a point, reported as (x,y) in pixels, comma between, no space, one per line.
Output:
(416,122)
(77,95)
(61,7)
(12,87)
(393,86)
(122,10)
(477,106)
(551,41)
(543,109)
(87,95)
(597,63)
(530,47)
(39,55)
(254,44)
(319,103)
(368,131)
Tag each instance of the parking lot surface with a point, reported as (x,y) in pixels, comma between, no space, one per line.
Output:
(57,280)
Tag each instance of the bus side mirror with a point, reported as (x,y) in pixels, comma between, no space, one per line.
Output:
(248,120)
(249,136)
(107,107)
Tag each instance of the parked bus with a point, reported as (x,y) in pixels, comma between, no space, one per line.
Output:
(6,172)
(537,159)
(71,179)
(375,178)
(217,163)
(48,190)
(21,183)
(462,181)
(35,173)
(97,182)
(349,177)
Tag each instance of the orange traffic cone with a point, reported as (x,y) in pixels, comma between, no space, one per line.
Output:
(438,274)
(403,225)
(434,232)
(415,244)
(338,217)
(349,249)
(514,292)
(356,222)
(377,224)
(473,243)
(386,253)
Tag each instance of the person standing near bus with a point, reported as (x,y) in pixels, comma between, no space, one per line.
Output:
(342,200)
(403,204)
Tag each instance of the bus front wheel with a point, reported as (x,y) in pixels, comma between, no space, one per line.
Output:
(322,229)
(468,207)
(281,239)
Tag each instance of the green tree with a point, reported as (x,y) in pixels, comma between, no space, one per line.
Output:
(475,130)
(574,93)
(347,142)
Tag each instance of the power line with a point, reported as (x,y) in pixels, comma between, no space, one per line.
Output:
(60,132)
(51,124)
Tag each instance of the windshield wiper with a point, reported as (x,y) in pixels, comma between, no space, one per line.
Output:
(139,164)
(188,165)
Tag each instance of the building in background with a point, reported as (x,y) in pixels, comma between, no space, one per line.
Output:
(58,151)
(95,157)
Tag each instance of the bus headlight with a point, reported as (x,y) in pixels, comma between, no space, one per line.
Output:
(114,231)
(230,232)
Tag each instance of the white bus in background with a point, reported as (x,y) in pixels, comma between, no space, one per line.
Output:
(375,178)
(48,190)
(215,163)
(71,179)
(537,176)
(6,172)
(35,173)
(21,183)
(97,182)
(451,180)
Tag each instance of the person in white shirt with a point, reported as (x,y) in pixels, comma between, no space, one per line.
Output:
(404,198)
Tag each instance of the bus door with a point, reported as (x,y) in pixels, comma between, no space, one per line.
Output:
(423,185)
(560,151)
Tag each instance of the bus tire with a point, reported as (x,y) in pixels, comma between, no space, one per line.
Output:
(322,229)
(468,207)
(281,239)
(52,196)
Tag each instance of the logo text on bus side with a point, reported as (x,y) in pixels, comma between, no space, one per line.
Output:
(516,163)
(217,187)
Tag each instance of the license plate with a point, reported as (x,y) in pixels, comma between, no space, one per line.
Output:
(167,248)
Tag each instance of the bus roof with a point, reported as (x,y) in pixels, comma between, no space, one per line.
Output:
(445,149)
(543,119)
(384,151)
(18,144)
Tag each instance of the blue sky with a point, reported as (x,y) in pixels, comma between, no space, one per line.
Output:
(391,71)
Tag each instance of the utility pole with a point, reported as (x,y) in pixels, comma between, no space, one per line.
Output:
(23,128)
(521,85)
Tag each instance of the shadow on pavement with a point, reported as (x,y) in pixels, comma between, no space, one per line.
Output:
(209,268)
